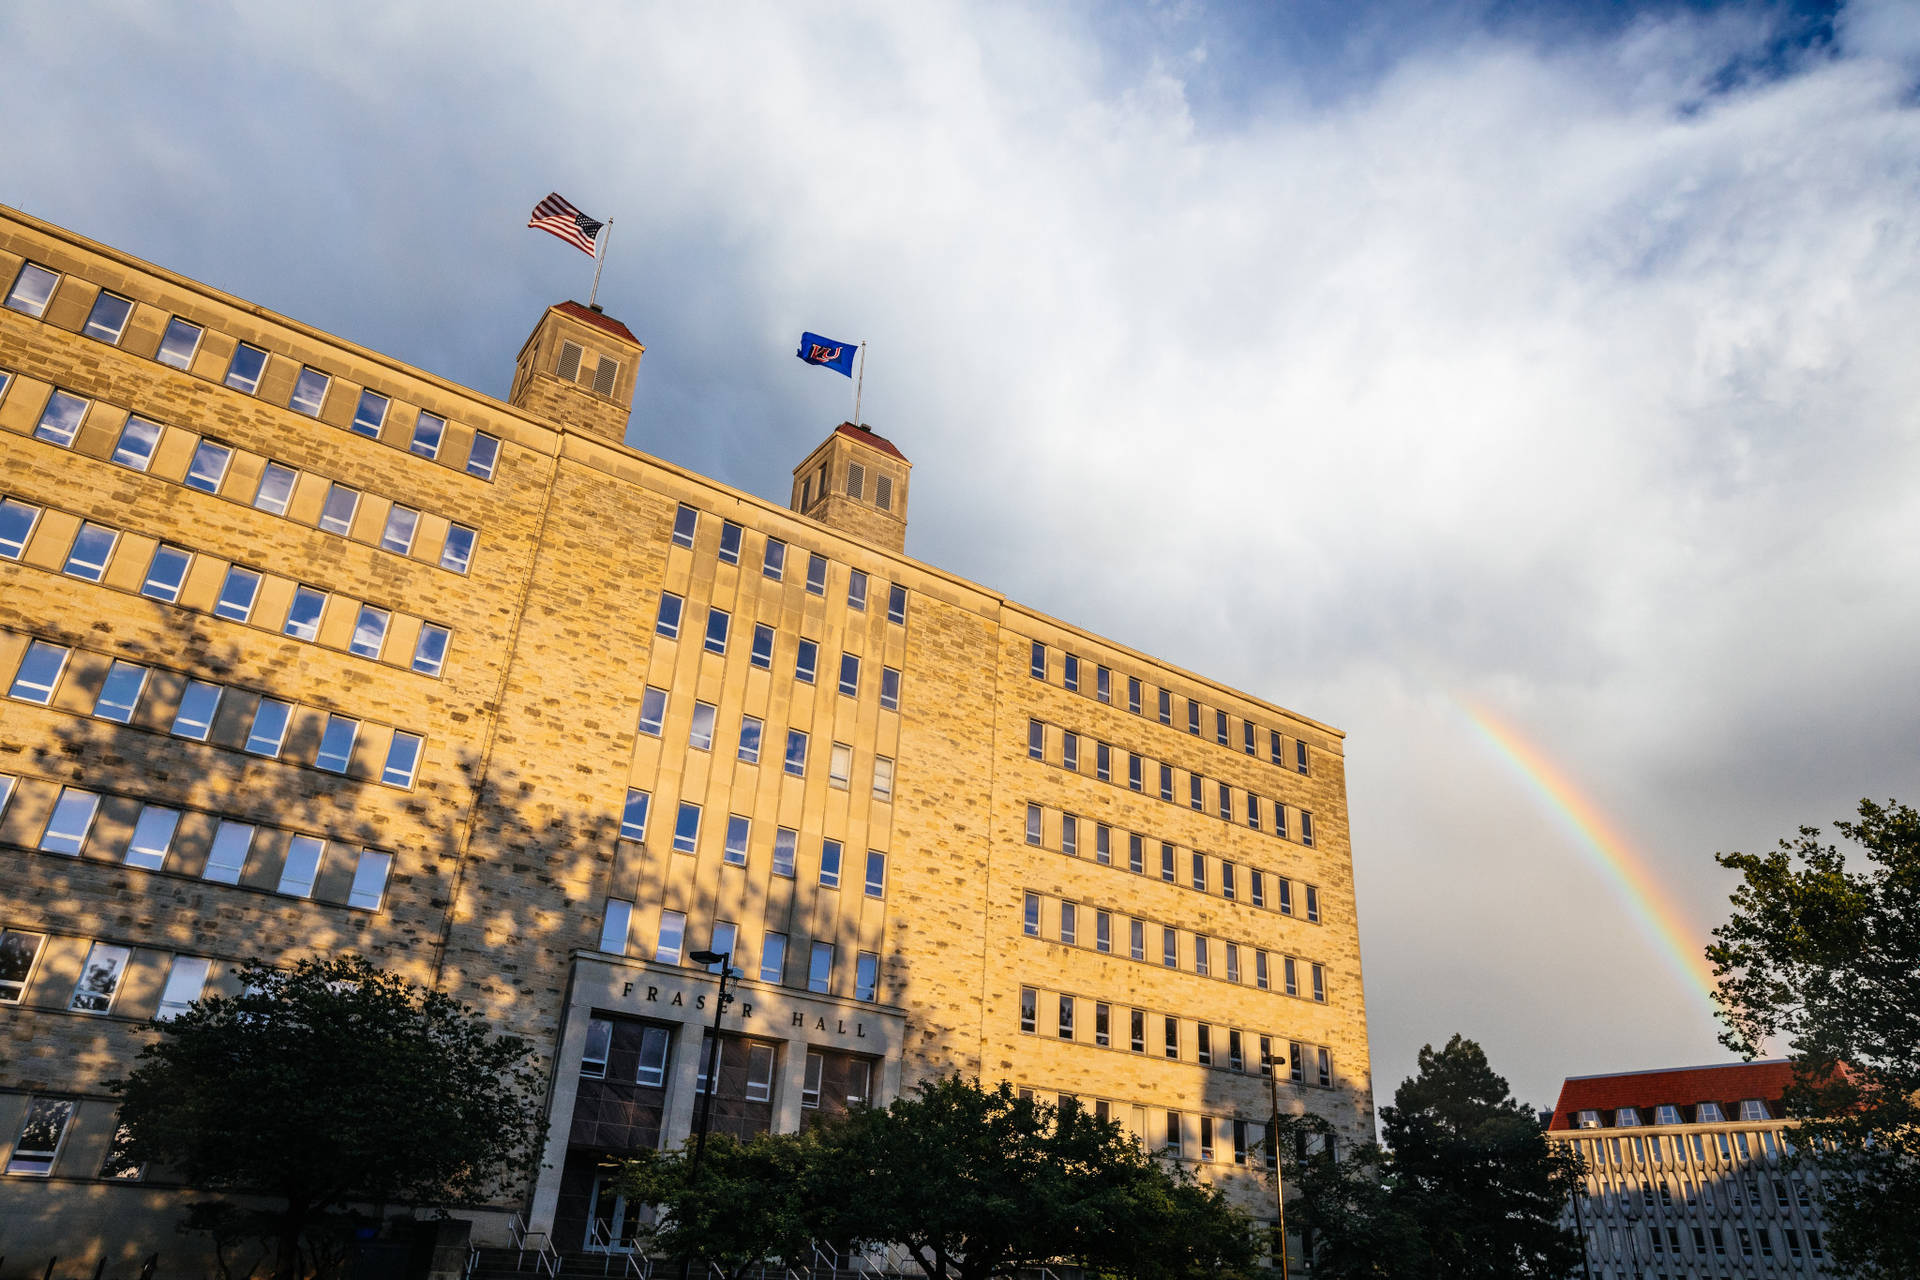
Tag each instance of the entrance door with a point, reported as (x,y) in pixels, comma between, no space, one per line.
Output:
(614,1222)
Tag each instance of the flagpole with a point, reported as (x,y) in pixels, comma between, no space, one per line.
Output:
(859,382)
(599,248)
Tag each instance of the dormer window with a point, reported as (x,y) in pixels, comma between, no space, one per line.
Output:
(1667,1114)
(1708,1113)
(1588,1120)
(1626,1117)
(1754,1109)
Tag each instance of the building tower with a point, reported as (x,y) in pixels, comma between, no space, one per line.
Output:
(856,482)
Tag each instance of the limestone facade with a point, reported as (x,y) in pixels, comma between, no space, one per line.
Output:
(306,650)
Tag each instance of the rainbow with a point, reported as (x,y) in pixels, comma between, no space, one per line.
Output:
(1664,922)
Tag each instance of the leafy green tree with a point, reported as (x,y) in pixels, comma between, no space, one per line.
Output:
(1827,958)
(1468,1187)
(331,1083)
(746,1204)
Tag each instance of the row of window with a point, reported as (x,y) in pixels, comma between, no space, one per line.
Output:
(33,289)
(192,709)
(1225,1048)
(806,656)
(815,484)
(653,1056)
(43,1132)
(784,848)
(1068,833)
(1251,734)
(179,576)
(749,742)
(724,938)
(1076,925)
(225,849)
(1657,1246)
(773,563)
(1221,795)
(278,489)
(1739,1145)
(101,975)
(1748,1109)
(1713,1192)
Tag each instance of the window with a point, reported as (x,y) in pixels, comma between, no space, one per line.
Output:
(336,514)
(1260,978)
(856,480)
(1137,939)
(729,542)
(839,765)
(1289,972)
(1320,984)
(796,752)
(1070,752)
(369,415)
(686,827)
(138,439)
(1233,962)
(806,661)
(1247,738)
(1166,862)
(186,978)
(1030,915)
(244,370)
(820,968)
(773,957)
(336,743)
(403,759)
(1166,782)
(882,778)
(120,692)
(738,829)
(269,729)
(762,655)
(653,710)
(1103,685)
(1220,727)
(1070,672)
(72,818)
(673,933)
(785,842)
(718,621)
(1029,1011)
(482,458)
(60,420)
(1202,955)
(889,689)
(1066,1017)
(32,290)
(685,521)
(1171,1039)
(309,392)
(633,815)
(1326,1068)
(1200,872)
(1300,760)
(237,594)
(18,951)
(1069,923)
(816,574)
(1170,948)
(152,837)
(1203,1044)
(1313,905)
(430,651)
(428,430)
(92,548)
(1297,1062)
(1038,664)
(1253,811)
(199,701)
(1069,835)
(1102,844)
(1136,768)
(830,851)
(1226,802)
(16,526)
(876,873)
(99,979)
(303,616)
(402,523)
(593,1056)
(1036,740)
(1166,707)
(1195,799)
(721,942)
(866,976)
(1136,854)
(1306,827)
(773,563)
(850,675)
(178,344)
(232,842)
(652,1067)
(750,727)
(1753,1109)
(302,866)
(167,573)
(276,488)
(1033,824)
(369,632)
(897,604)
(46,1120)
(1285,888)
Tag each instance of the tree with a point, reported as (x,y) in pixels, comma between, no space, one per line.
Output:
(1828,959)
(747,1203)
(329,1083)
(1468,1187)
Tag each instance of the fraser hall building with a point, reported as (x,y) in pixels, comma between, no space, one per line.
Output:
(307,651)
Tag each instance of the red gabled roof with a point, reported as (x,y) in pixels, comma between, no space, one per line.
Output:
(1727,1085)
(596,319)
(866,436)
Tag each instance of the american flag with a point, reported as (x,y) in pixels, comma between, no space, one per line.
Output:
(556,217)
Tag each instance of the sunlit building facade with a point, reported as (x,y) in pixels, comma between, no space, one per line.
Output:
(1684,1174)
(305,650)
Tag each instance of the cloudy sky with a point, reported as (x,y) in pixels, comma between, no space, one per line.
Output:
(1388,360)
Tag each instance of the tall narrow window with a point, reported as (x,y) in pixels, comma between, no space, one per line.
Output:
(402,524)
(1313,905)
(92,548)
(729,542)
(751,728)
(484,455)
(138,439)
(876,874)
(1066,1017)
(718,623)
(785,843)
(72,819)
(796,756)
(850,675)
(403,759)
(806,662)
(305,613)
(734,852)
(1031,915)
(336,743)
(186,979)
(614,923)
(686,520)
(45,1124)
(1069,923)
(1102,931)
(882,778)
(1137,939)
(336,513)
(820,968)
(199,702)
(430,651)
(370,414)
(17,520)
(889,689)
(244,370)
(830,851)
(1103,685)
(178,344)
(309,392)
(269,728)
(897,604)
(866,976)
(1306,827)
(18,950)
(99,978)
(1033,824)
(816,574)
(32,290)
(167,573)
(227,860)
(1039,661)
(428,430)
(1300,758)
(302,867)
(653,710)
(1166,706)
(721,942)
(237,594)
(60,420)
(686,828)
(120,692)
(773,563)
(276,489)
(152,837)
(773,957)
(673,934)
(1070,672)
(369,632)
(1029,1009)
(762,654)
(1170,948)
(633,815)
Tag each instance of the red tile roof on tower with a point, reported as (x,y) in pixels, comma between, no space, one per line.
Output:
(865,436)
(1727,1085)
(595,318)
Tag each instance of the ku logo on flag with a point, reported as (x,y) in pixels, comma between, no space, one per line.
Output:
(828,354)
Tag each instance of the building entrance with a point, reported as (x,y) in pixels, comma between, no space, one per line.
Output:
(614,1223)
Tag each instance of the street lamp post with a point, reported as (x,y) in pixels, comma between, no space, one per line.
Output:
(1279,1178)
(704,1116)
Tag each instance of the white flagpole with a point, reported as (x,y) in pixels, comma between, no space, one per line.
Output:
(859,382)
(601,242)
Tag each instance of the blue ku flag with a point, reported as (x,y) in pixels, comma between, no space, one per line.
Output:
(825,352)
